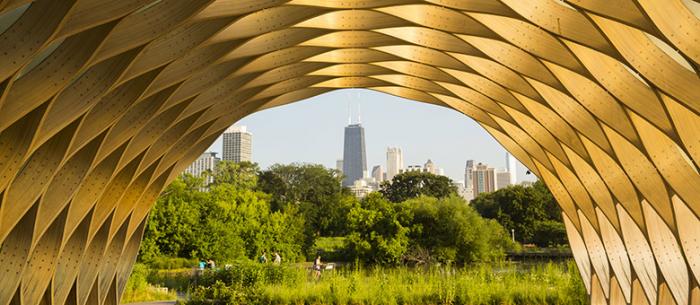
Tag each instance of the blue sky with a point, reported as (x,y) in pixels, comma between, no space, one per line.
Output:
(311,131)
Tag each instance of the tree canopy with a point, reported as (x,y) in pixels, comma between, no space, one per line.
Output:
(423,230)
(531,211)
(412,184)
(286,208)
(315,191)
(231,220)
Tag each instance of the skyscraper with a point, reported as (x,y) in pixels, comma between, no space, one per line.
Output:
(468,175)
(354,157)
(469,180)
(502,179)
(339,165)
(510,165)
(394,162)
(237,146)
(378,173)
(206,162)
(483,179)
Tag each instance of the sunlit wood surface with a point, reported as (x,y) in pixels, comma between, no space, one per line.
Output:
(103,102)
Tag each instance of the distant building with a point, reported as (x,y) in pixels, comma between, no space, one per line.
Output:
(468,194)
(459,185)
(429,167)
(511,167)
(360,188)
(527,183)
(354,156)
(484,179)
(206,163)
(463,191)
(394,162)
(441,171)
(238,144)
(502,179)
(469,174)
(339,165)
(412,168)
(378,173)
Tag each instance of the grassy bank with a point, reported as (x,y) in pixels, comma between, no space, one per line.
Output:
(140,289)
(486,284)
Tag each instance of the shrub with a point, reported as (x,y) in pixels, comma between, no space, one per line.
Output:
(164,262)
(453,232)
(217,293)
(377,236)
(248,274)
(138,289)
(474,285)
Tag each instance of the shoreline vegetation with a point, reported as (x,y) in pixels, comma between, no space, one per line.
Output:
(252,283)
(413,242)
(140,288)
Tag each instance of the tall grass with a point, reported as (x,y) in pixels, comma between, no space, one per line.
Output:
(484,284)
(139,289)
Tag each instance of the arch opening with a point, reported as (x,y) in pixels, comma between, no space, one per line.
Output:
(129,93)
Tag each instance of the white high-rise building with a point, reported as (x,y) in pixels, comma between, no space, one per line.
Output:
(378,173)
(502,179)
(464,191)
(360,188)
(511,168)
(339,165)
(205,163)
(394,162)
(469,175)
(238,144)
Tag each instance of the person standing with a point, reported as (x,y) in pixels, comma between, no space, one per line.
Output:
(276,258)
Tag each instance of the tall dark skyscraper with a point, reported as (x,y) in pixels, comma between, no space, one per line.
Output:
(354,157)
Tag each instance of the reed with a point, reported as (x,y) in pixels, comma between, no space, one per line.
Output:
(506,283)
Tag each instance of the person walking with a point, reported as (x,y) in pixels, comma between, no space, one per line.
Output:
(276,258)
(317,267)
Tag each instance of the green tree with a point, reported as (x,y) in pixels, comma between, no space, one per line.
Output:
(231,220)
(242,225)
(377,236)
(169,230)
(531,211)
(312,190)
(448,230)
(412,184)
(242,175)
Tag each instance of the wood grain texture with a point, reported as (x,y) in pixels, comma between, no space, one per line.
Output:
(103,103)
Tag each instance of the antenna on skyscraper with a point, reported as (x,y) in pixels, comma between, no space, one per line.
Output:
(359,113)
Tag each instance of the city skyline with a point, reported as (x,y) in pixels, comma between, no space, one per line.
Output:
(414,127)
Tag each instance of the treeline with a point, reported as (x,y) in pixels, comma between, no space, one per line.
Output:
(531,211)
(415,219)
